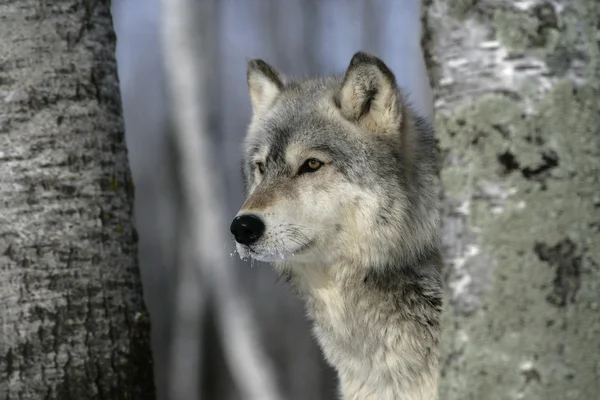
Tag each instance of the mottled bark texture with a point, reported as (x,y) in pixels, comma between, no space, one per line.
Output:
(518,122)
(72,321)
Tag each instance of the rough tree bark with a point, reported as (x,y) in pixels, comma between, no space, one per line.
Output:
(72,320)
(518,121)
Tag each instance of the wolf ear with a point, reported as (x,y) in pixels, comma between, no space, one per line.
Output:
(264,84)
(368,95)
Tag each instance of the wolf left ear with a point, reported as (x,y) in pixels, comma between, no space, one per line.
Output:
(369,96)
(264,84)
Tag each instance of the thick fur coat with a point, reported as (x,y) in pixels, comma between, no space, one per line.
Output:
(341,185)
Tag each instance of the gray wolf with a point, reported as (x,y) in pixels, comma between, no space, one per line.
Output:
(341,197)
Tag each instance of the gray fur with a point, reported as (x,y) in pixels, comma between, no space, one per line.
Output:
(359,237)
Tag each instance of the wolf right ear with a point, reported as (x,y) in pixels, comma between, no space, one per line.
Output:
(264,84)
(369,96)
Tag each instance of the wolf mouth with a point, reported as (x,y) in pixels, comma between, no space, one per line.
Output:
(278,255)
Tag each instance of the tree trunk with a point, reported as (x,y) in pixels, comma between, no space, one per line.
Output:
(518,107)
(73,324)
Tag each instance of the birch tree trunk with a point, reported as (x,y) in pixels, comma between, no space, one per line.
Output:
(72,320)
(518,121)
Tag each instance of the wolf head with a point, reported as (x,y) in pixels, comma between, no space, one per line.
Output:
(337,170)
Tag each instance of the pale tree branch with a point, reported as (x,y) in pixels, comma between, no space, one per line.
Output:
(186,44)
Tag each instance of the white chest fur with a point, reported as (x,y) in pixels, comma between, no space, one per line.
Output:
(377,351)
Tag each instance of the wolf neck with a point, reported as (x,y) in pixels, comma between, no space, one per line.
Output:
(378,328)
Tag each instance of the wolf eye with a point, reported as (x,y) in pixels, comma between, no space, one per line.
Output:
(310,165)
(261,167)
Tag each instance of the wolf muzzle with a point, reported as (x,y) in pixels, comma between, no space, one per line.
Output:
(247,229)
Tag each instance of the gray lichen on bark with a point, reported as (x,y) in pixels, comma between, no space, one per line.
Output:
(518,105)
(73,324)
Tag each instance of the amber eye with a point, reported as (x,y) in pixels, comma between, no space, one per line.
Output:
(314,164)
(260,167)
(310,165)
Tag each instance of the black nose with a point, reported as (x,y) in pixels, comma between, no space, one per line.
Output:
(247,229)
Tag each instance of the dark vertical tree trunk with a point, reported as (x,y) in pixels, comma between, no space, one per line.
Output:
(72,319)
(518,121)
